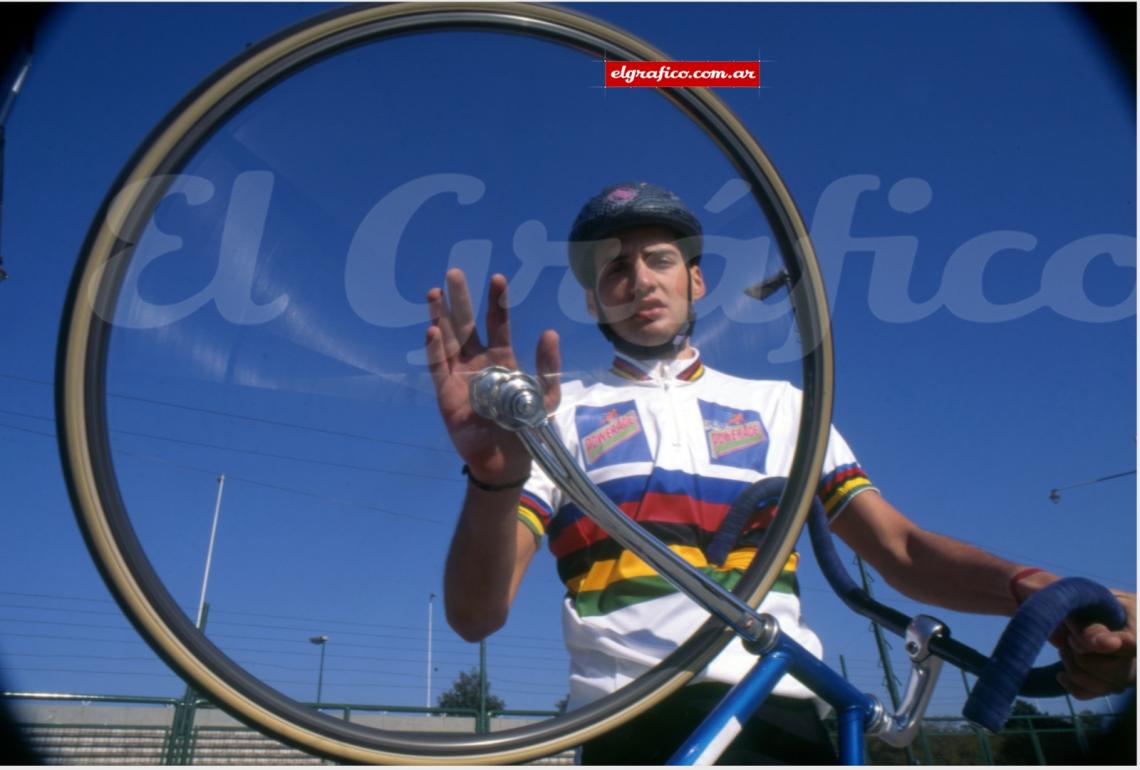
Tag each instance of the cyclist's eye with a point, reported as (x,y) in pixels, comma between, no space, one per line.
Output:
(615,268)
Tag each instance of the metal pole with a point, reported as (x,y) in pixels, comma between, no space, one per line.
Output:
(14,89)
(427,703)
(1082,742)
(483,721)
(210,549)
(320,675)
(9,100)
(320,642)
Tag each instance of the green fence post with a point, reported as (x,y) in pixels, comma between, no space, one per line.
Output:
(180,745)
(925,745)
(1082,741)
(1037,750)
(169,752)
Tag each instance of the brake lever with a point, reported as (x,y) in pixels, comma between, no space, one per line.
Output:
(898,730)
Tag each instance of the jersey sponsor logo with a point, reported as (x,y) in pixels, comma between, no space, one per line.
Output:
(735,437)
(611,434)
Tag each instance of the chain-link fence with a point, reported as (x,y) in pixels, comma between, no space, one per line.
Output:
(120,730)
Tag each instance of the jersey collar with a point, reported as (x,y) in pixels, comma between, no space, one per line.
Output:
(658,370)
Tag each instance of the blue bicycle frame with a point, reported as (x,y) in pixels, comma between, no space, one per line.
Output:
(856,710)
(514,401)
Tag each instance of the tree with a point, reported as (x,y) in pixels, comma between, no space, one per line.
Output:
(1030,730)
(464,694)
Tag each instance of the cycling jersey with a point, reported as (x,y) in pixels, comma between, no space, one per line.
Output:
(672,443)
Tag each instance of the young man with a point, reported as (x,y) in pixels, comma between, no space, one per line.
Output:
(673,442)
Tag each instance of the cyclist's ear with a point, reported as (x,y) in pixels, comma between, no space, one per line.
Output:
(591,303)
(548,362)
(698,281)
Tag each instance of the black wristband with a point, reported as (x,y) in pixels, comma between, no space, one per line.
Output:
(493,487)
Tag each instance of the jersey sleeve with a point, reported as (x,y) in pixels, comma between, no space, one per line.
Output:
(538,501)
(842,478)
(541,498)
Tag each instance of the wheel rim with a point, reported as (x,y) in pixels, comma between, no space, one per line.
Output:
(85,336)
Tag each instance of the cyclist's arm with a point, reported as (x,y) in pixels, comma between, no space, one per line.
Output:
(491,548)
(926,566)
(489,554)
(940,570)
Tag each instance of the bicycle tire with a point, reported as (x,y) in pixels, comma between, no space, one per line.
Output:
(85,335)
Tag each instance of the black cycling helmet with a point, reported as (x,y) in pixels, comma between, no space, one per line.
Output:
(625,205)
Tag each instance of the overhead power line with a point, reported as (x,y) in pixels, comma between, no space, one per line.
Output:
(255,452)
(254,482)
(250,418)
(215,611)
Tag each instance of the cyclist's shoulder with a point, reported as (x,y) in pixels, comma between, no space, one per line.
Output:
(717,379)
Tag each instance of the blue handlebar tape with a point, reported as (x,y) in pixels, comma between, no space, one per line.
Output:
(992,698)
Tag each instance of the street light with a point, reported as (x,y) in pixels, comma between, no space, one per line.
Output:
(210,551)
(431,599)
(320,642)
(1055,493)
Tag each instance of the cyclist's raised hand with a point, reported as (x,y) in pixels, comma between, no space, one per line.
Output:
(455,353)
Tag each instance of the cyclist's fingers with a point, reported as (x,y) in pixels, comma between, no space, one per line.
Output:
(548,361)
(1097,638)
(1078,692)
(1098,673)
(436,358)
(1060,636)
(462,314)
(441,319)
(498,317)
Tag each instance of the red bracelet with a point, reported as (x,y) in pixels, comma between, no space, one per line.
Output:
(1017,578)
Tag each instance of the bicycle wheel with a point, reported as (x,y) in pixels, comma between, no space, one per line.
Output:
(82,388)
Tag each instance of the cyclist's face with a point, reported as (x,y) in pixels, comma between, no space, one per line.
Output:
(642,283)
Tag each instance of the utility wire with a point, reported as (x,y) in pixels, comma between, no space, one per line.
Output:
(259,453)
(215,611)
(254,482)
(445,659)
(249,418)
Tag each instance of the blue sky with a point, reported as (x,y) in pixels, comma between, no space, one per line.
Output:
(968,173)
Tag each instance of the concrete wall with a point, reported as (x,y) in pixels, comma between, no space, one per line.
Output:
(143,715)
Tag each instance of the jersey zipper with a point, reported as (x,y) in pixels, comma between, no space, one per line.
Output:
(673,409)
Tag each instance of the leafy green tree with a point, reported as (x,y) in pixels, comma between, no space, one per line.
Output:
(1028,730)
(464,694)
